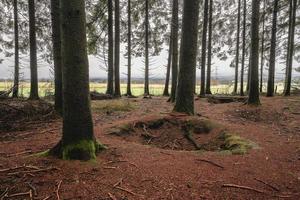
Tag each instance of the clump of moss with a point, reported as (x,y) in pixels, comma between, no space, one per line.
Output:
(235,144)
(109,106)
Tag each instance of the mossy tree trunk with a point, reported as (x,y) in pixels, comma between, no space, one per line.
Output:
(237,56)
(146,86)
(117,49)
(110,70)
(188,53)
(78,141)
(254,51)
(56,41)
(209,51)
(16,34)
(244,47)
(290,54)
(34,91)
(129,93)
(203,52)
(271,75)
(174,50)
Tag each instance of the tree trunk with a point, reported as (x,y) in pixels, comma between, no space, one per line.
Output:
(188,53)
(237,49)
(262,49)
(203,54)
(290,55)
(174,50)
(244,48)
(166,89)
(129,93)
(117,49)
(78,141)
(271,75)
(209,53)
(17,68)
(146,87)
(56,41)
(254,79)
(34,91)
(110,74)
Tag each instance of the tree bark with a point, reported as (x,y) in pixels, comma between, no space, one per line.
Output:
(166,89)
(290,55)
(271,74)
(34,91)
(188,53)
(237,58)
(78,141)
(17,68)
(110,74)
(244,48)
(203,54)
(117,49)
(146,86)
(174,50)
(262,49)
(254,79)
(209,53)
(129,93)
(56,41)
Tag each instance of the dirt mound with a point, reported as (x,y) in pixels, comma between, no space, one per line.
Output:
(16,114)
(182,134)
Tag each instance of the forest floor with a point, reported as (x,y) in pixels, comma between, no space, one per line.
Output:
(149,157)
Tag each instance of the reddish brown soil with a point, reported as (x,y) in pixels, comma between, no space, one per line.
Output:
(148,172)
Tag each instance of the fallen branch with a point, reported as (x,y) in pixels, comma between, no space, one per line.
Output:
(267,184)
(57,190)
(21,194)
(11,169)
(243,187)
(112,196)
(126,190)
(147,134)
(210,162)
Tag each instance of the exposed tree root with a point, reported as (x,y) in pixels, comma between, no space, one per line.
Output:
(188,134)
(210,162)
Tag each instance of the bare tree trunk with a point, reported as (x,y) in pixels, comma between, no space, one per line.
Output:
(244,48)
(188,53)
(56,40)
(174,50)
(262,49)
(237,49)
(271,76)
(117,49)
(166,89)
(209,53)
(17,68)
(254,79)
(203,54)
(129,93)
(34,91)
(146,87)
(110,74)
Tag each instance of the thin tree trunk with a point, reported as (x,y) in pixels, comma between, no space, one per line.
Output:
(290,55)
(174,50)
(271,75)
(117,49)
(110,74)
(203,54)
(244,48)
(129,93)
(56,40)
(262,49)
(146,86)
(209,53)
(166,89)
(254,79)
(237,49)
(78,141)
(188,53)
(17,69)
(34,91)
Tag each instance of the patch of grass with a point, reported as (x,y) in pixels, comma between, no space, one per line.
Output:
(109,106)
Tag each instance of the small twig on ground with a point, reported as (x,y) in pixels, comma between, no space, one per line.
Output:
(29,193)
(46,198)
(243,187)
(112,196)
(11,169)
(118,183)
(57,190)
(210,162)
(4,193)
(267,184)
(109,167)
(114,161)
(126,190)
(33,171)
(19,154)
(32,188)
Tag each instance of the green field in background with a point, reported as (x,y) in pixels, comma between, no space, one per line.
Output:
(47,88)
